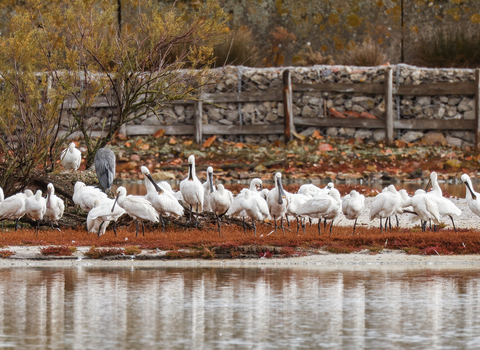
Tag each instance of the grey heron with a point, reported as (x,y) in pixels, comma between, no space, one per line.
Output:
(105,167)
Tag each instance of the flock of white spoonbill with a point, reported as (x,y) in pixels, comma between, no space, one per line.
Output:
(255,202)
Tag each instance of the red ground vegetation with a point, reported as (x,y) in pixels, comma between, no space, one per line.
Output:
(207,244)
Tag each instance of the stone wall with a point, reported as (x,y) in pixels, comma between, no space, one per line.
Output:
(318,104)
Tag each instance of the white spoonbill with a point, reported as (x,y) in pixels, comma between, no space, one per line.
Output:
(163,201)
(325,206)
(445,206)
(221,200)
(471,195)
(101,215)
(192,190)
(85,196)
(13,207)
(277,202)
(295,200)
(424,206)
(55,205)
(71,157)
(353,205)
(236,208)
(207,189)
(138,207)
(384,205)
(36,207)
(255,207)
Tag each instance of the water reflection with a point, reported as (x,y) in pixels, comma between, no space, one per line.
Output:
(251,308)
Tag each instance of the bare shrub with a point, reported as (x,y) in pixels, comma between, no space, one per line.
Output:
(239,48)
(451,46)
(369,53)
(308,57)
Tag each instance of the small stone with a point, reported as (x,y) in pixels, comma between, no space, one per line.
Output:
(225,122)
(424,100)
(379,135)
(347,131)
(248,108)
(432,137)
(363,134)
(411,136)
(453,141)
(309,112)
(135,157)
(358,109)
(464,135)
(453,101)
(271,117)
(464,105)
(332,132)
(308,131)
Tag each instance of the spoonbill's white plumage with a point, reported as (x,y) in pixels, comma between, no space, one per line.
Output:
(324,206)
(192,190)
(353,205)
(138,207)
(101,215)
(71,157)
(255,207)
(207,189)
(162,200)
(221,200)
(295,200)
(85,196)
(314,190)
(55,205)
(277,201)
(105,167)
(36,207)
(236,208)
(472,197)
(384,205)
(13,207)
(424,206)
(445,206)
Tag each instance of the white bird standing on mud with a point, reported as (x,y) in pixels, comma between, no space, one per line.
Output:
(55,206)
(445,206)
(424,206)
(325,206)
(13,207)
(207,189)
(255,207)
(163,201)
(471,196)
(221,200)
(384,205)
(353,205)
(101,215)
(138,207)
(277,202)
(85,196)
(36,207)
(192,190)
(295,200)
(71,157)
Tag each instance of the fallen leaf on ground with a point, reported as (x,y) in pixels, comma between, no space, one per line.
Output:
(209,141)
(159,133)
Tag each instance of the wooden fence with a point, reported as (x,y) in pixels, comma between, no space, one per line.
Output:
(390,124)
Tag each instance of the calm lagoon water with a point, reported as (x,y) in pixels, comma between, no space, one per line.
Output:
(240,308)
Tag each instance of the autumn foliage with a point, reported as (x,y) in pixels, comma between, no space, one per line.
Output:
(206,243)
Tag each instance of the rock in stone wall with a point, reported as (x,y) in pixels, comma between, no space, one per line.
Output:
(310,104)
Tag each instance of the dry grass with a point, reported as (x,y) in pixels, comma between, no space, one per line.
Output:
(240,48)
(207,244)
(370,53)
(308,57)
(455,46)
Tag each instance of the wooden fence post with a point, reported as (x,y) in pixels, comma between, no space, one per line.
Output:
(389,106)
(477,109)
(288,124)
(198,123)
